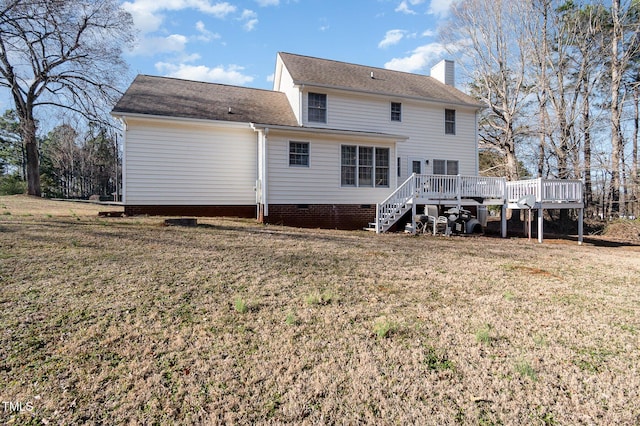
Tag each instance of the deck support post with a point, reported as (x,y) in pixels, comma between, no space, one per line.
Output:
(580,224)
(503,221)
(413,217)
(540,224)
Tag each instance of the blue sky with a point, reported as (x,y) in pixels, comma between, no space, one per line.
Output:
(235,42)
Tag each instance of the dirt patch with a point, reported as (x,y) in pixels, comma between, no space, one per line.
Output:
(624,230)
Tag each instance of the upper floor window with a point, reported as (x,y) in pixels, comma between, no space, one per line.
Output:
(299,154)
(318,107)
(445,167)
(396,111)
(449,121)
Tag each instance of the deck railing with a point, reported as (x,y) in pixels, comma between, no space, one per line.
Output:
(546,190)
(453,187)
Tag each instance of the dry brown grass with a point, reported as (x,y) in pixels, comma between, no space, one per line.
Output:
(110,321)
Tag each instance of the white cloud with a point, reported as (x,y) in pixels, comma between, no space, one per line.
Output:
(250,18)
(429,33)
(232,74)
(392,37)
(404,7)
(205,34)
(264,3)
(147,14)
(149,46)
(441,7)
(419,58)
(271,77)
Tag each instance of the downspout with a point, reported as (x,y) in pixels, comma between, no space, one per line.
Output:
(265,161)
(477,148)
(123,193)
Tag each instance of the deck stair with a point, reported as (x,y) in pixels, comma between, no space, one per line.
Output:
(395,206)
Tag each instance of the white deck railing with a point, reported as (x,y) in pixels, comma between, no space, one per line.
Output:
(546,190)
(454,187)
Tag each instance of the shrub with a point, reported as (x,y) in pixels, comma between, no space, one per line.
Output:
(12,185)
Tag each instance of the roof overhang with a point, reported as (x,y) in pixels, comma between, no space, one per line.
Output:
(332,132)
(167,118)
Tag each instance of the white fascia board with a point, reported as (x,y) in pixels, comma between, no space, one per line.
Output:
(149,117)
(333,132)
(386,95)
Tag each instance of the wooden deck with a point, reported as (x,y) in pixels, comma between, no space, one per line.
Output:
(461,190)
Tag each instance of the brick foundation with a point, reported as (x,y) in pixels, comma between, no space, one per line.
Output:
(328,216)
(210,211)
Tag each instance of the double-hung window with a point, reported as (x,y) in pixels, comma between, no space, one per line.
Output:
(396,111)
(449,121)
(299,154)
(317,110)
(364,166)
(445,167)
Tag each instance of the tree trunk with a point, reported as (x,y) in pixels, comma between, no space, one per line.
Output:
(33,158)
(616,77)
(634,153)
(586,124)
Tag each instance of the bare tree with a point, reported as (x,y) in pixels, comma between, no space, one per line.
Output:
(491,31)
(61,53)
(625,45)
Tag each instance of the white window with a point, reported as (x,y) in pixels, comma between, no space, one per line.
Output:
(449,121)
(396,111)
(445,167)
(364,166)
(317,110)
(299,154)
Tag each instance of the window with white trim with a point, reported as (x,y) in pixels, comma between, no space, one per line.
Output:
(364,166)
(445,167)
(396,111)
(449,121)
(298,154)
(317,107)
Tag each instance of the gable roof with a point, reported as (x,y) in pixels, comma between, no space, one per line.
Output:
(342,75)
(173,97)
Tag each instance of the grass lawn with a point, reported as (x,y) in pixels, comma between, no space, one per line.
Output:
(122,320)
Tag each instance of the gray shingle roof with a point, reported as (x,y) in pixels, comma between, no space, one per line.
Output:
(341,75)
(208,101)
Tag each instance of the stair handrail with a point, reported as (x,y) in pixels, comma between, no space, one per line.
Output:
(379,214)
(398,189)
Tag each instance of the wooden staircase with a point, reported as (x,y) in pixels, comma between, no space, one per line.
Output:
(394,207)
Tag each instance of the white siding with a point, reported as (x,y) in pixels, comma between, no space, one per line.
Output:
(285,85)
(422,122)
(189,163)
(320,182)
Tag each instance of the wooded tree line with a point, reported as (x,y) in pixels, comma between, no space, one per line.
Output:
(561,79)
(73,164)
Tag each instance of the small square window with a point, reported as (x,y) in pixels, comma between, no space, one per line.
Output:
(450,121)
(396,111)
(299,154)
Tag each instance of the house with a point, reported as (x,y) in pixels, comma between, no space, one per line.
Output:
(322,149)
